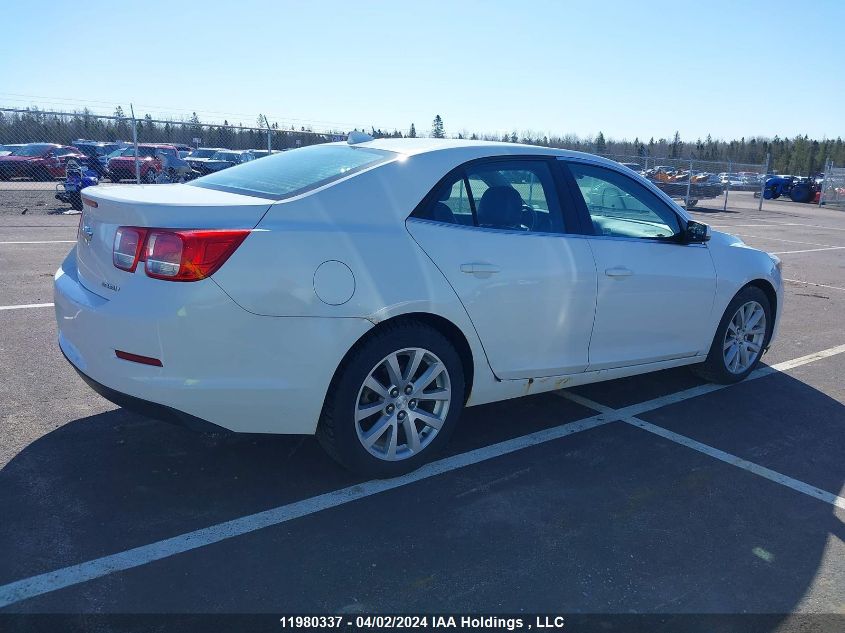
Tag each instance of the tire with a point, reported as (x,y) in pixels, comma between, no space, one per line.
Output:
(343,437)
(800,193)
(691,203)
(719,364)
(150,177)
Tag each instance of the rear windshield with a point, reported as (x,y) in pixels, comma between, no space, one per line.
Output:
(294,172)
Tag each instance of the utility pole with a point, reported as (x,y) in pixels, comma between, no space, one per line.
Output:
(135,144)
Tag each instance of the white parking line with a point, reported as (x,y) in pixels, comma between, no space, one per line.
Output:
(24,306)
(814,226)
(733,460)
(136,557)
(44,242)
(774,225)
(809,250)
(779,239)
(812,283)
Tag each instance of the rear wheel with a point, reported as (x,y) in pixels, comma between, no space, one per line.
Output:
(394,401)
(800,193)
(741,338)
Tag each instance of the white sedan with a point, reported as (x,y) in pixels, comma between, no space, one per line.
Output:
(369,291)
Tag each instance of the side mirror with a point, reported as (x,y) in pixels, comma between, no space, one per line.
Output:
(697,232)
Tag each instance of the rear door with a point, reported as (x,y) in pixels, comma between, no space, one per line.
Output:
(655,293)
(496,231)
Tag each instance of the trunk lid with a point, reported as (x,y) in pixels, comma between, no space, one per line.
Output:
(150,206)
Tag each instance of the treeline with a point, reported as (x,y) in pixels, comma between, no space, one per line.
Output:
(800,155)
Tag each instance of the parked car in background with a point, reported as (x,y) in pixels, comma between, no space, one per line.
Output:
(420,276)
(734,181)
(104,160)
(227,158)
(96,150)
(7,149)
(262,153)
(198,158)
(174,168)
(38,161)
(122,167)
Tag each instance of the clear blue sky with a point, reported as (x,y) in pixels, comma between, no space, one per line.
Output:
(637,68)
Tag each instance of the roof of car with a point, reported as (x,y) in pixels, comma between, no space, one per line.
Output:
(412,146)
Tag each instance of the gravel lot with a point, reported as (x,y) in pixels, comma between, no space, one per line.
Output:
(721,502)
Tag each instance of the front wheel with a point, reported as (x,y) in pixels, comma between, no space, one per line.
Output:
(741,338)
(394,402)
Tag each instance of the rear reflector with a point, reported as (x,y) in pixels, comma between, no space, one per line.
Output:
(89,202)
(135,358)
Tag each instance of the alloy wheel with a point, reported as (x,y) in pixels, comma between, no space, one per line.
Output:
(744,337)
(402,404)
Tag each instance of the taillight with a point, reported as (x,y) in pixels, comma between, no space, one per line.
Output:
(176,255)
(128,244)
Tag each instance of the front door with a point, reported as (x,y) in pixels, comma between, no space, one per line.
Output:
(655,293)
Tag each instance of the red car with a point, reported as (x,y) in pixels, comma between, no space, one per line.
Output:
(123,167)
(39,161)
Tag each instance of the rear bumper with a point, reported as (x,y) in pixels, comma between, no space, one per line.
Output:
(147,408)
(220,364)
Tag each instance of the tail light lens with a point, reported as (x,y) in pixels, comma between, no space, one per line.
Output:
(175,255)
(128,244)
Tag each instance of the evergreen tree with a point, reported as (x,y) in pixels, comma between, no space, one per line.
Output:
(437,130)
(676,147)
(412,133)
(601,144)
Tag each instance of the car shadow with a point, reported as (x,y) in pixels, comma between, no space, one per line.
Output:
(113,481)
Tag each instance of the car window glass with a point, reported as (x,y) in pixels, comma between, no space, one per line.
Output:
(619,206)
(448,203)
(515,195)
(296,171)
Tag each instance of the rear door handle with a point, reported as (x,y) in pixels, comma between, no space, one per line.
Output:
(479,268)
(618,272)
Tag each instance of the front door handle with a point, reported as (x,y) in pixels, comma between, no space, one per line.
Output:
(479,268)
(618,272)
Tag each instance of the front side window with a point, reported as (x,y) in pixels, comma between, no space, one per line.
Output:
(619,206)
(294,172)
(513,195)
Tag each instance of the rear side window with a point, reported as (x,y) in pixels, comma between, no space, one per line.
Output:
(511,195)
(294,172)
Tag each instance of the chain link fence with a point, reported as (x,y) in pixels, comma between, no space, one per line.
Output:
(36,146)
(833,187)
(703,185)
